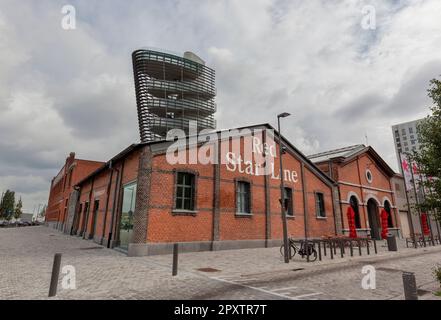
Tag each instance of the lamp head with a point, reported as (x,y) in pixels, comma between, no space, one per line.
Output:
(283,115)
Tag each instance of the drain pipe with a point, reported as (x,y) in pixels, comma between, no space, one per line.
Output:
(109,185)
(116,195)
(76,218)
(88,209)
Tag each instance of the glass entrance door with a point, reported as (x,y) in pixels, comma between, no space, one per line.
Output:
(126,222)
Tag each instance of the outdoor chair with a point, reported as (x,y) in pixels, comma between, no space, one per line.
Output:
(413,239)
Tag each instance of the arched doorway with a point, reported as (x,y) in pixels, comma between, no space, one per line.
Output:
(388,209)
(354,204)
(373,216)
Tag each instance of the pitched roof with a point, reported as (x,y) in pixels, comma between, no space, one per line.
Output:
(347,154)
(310,164)
(344,153)
(107,164)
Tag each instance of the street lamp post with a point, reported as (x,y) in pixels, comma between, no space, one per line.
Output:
(282,191)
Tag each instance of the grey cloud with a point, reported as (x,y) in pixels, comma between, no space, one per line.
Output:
(411,98)
(26,157)
(361,108)
(72,91)
(94,115)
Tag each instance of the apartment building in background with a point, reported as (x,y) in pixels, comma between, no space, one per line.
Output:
(406,138)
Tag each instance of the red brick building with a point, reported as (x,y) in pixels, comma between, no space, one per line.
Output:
(62,185)
(364,182)
(141,203)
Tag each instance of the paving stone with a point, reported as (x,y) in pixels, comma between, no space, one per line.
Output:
(27,253)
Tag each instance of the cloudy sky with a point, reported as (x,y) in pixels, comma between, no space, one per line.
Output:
(72,90)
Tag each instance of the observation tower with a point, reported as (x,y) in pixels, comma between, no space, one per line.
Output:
(171,91)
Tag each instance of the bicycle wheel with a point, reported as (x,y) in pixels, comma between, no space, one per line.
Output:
(292,251)
(313,255)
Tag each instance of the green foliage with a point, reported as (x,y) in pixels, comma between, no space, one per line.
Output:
(437,274)
(429,157)
(18,209)
(42,213)
(7,205)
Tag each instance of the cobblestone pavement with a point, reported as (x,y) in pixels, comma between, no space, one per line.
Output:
(26,257)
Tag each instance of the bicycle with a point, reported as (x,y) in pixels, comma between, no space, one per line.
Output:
(301,251)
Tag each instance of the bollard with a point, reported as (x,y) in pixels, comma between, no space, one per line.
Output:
(351,248)
(55,274)
(342,250)
(175,259)
(331,249)
(391,243)
(410,288)
(307,251)
(367,247)
(319,250)
(375,246)
(324,247)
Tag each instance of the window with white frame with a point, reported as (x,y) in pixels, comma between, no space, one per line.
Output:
(243,197)
(320,205)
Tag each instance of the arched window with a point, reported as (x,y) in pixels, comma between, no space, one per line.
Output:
(387,207)
(354,204)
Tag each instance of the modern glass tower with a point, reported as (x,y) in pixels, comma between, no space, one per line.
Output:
(171,91)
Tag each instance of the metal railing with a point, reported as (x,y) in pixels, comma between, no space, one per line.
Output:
(202,106)
(182,123)
(185,87)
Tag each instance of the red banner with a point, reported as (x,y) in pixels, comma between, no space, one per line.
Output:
(384,224)
(351,223)
(424,224)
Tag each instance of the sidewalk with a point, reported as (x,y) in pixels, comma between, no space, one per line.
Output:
(263,260)
(101,273)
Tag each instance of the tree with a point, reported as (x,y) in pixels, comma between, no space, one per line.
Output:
(7,204)
(18,209)
(43,211)
(1,205)
(429,156)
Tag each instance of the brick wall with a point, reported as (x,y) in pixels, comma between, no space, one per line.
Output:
(353,182)
(215,216)
(165,226)
(62,186)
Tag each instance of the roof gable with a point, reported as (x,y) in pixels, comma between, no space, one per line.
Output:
(376,157)
(290,148)
(348,154)
(336,153)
